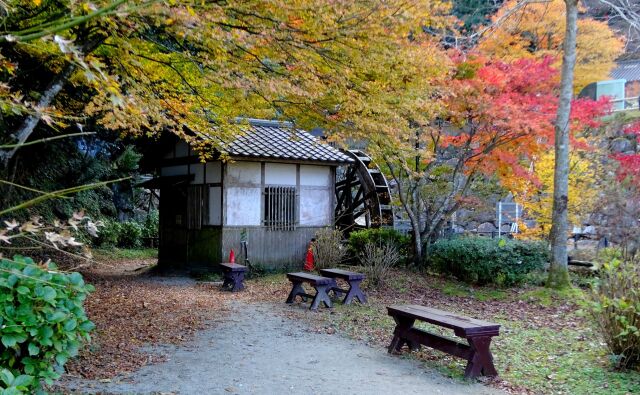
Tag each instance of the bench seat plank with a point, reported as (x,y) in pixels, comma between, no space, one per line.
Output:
(310,278)
(343,274)
(462,326)
(234,267)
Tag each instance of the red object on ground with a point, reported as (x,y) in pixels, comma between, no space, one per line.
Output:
(308,264)
(232,256)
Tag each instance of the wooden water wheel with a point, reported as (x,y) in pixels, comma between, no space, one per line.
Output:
(363,197)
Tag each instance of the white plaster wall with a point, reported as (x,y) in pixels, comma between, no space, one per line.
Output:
(315,206)
(243,173)
(214,172)
(215,206)
(315,175)
(197,169)
(279,174)
(174,170)
(243,206)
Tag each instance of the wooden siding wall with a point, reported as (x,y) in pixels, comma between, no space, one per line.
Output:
(269,248)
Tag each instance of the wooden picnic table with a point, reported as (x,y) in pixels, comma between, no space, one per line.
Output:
(233,276)
(352,278)
(477,333)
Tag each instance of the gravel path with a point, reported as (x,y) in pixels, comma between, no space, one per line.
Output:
(259,352)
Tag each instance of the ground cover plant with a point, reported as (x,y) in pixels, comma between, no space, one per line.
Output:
(42,322)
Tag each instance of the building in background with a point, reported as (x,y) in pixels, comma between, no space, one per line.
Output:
(276,190)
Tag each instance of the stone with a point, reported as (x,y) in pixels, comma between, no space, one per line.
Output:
(486,227)
(620,145)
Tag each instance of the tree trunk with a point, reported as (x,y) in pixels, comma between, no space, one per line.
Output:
(29,124)
(558,271)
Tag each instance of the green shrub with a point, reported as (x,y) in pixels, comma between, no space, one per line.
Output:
(615,305)
(130,235)
(108,234)
(42,323)
(359,239)
(479,260)
(151,224)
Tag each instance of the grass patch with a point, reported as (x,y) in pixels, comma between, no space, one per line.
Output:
(124,253)
(560,361)
(482,294)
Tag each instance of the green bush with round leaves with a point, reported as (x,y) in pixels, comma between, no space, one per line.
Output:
(480,260)
(42,323)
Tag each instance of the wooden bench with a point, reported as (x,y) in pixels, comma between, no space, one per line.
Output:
(478,334)
(354,280)
(321,285)
(233,276)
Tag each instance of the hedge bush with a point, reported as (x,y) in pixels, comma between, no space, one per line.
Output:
(615,306)
(127,234)
(380,236)
(42,323)
(130,235)
(108,234)
(479,260)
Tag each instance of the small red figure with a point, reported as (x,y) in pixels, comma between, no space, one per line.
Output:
(232,256)
(308,264)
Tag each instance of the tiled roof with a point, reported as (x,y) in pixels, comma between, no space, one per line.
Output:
(279,140)
(627,70)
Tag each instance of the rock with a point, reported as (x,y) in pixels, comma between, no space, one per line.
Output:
(486,227)
(620,145)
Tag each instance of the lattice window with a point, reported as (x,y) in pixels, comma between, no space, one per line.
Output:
(197,206)
(280,208)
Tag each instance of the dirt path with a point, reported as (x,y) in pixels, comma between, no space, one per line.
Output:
(260,352)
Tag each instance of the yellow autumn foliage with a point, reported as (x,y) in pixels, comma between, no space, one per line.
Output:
(537,200)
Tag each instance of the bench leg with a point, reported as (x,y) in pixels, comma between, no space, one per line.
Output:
(295,291)
(355,291)
(238,281)
(321,296)
(228,279)
(226,282)
(403,324)
(480,360)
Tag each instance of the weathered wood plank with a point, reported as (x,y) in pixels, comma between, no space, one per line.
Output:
(343,274)
(310,278)
(462,326)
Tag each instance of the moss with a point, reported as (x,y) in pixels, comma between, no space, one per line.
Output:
(558,278)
